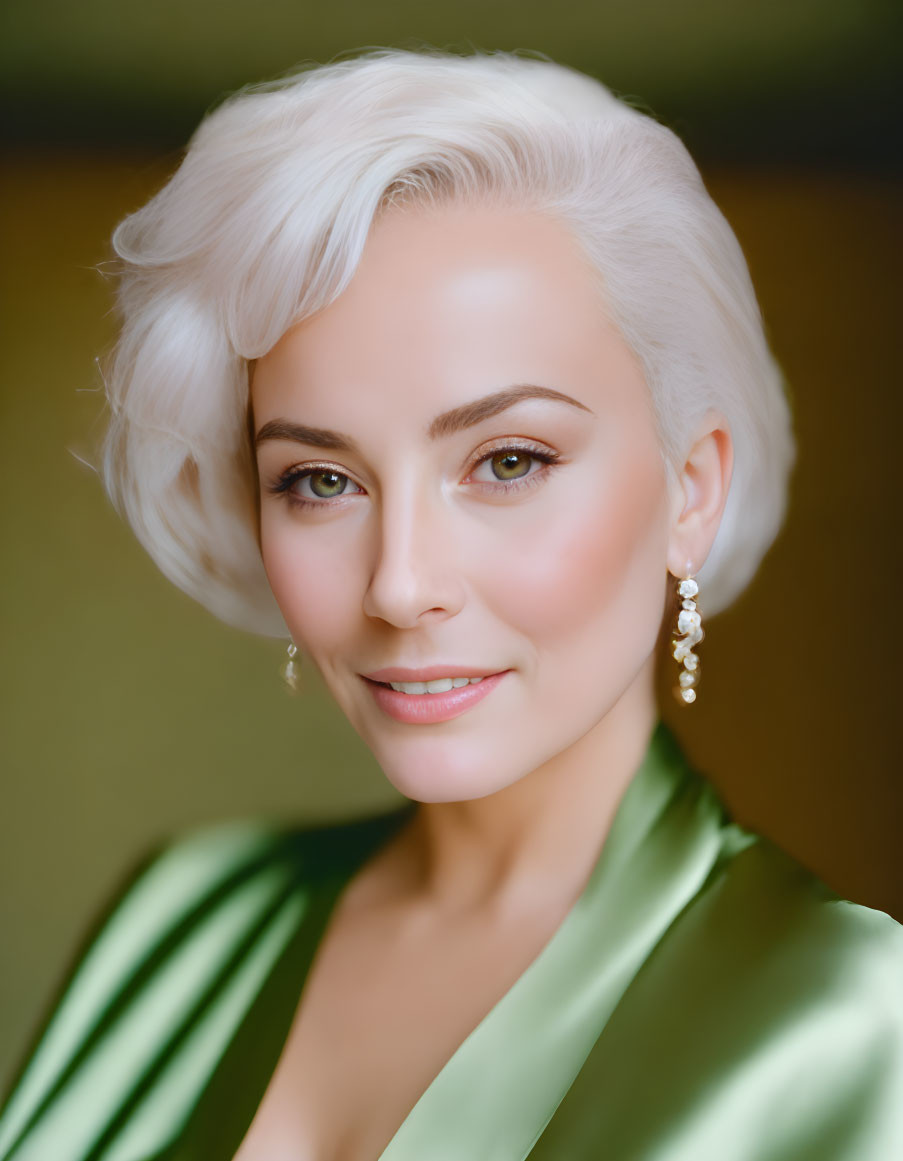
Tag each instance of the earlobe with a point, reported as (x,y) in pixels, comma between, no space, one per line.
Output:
(700,495)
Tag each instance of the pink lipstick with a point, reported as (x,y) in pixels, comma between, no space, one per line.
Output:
(426,708)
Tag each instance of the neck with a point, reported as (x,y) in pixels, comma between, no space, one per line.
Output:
(541,835)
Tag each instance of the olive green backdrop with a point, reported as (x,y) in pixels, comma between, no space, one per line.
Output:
(128,713)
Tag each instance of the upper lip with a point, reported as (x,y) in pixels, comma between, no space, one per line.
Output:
(429,672)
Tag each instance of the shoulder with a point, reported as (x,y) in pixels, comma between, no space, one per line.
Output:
(176,958)
(765,911)
(775,1001)
(166,906)
(770,1013)
(240,865)
(176,885)
(767,929)
(759,910)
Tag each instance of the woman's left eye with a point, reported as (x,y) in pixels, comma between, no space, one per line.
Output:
(509,465)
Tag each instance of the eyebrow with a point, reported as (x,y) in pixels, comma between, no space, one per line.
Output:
(444,425)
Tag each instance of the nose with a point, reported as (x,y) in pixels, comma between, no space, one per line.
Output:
(414,575)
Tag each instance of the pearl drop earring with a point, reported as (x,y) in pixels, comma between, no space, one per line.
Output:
(290,674)
(689,633)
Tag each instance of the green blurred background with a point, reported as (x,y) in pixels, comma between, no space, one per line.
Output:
(129,714)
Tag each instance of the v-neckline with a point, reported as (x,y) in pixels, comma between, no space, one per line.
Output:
(588,961)
(573,963)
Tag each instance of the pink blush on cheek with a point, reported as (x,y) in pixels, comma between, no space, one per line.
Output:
(600,564)
(316,595)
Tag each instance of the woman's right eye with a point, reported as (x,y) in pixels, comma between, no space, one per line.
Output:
(323,485)
(312,486)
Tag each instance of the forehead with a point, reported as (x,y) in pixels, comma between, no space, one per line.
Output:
(447,304)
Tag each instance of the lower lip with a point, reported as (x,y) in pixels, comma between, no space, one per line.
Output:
(423,708)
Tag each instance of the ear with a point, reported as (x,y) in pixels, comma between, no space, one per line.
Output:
(700,493)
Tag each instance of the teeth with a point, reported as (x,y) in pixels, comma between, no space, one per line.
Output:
(440,685)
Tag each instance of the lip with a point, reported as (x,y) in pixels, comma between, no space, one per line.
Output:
(430,673)
(427,708)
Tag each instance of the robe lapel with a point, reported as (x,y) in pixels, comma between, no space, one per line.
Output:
(498,1091)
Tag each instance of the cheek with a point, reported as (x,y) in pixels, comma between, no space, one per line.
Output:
(313,580)
(592,578)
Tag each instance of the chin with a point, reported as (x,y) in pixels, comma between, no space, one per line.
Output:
(431,772)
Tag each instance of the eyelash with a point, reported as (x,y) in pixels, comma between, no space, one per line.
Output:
(282,486)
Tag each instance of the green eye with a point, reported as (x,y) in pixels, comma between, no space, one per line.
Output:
(511,465)
(327,484)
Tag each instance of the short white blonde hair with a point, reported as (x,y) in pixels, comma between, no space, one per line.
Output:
(264,223)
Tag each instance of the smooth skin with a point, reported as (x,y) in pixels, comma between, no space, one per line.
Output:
(425,541)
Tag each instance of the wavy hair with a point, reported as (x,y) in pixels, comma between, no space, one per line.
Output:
(264,223)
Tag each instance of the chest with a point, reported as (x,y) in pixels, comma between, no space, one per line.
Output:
(387,1002)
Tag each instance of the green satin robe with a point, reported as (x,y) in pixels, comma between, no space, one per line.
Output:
(705,999)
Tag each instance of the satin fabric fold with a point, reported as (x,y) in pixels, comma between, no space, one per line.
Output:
(179,980)
(766,1026)
(705,999)
(522,1058)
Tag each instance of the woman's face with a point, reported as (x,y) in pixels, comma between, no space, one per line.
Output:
(460,477)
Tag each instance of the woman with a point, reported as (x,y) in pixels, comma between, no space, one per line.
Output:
(449,371)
